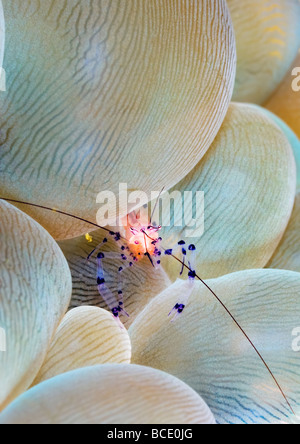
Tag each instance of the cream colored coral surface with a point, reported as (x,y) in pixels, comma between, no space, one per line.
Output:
(141,323)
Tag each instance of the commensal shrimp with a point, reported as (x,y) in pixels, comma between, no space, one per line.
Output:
(142,240)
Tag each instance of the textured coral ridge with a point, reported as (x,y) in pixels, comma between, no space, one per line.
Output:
(146,92)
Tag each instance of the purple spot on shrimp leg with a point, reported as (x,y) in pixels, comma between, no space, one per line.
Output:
(177,310)
(115,312)
(181,305)
(178,249)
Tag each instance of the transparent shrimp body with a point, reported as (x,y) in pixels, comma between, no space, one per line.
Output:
(136,240)
(187,257)
(139,239)
(143,238)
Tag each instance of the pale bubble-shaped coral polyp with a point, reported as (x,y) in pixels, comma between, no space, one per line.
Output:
(110,394)
(115,92)
(285,102)
(105,92)
(86,336)
(207,351)
(290,134)
(249,180)
(268,38)
(35,293)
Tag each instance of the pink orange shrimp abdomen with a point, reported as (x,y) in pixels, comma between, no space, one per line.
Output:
(142,239)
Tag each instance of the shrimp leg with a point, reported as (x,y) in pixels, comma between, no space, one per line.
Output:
(180,305)
(107,295)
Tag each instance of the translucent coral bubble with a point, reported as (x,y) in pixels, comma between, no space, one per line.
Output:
(110,394)
(86,336)
(268,38)
(285,102)
(35,291)
(249,182)
(107,92)
(205,348)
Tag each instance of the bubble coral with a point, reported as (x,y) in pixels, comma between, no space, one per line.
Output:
(105,92)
